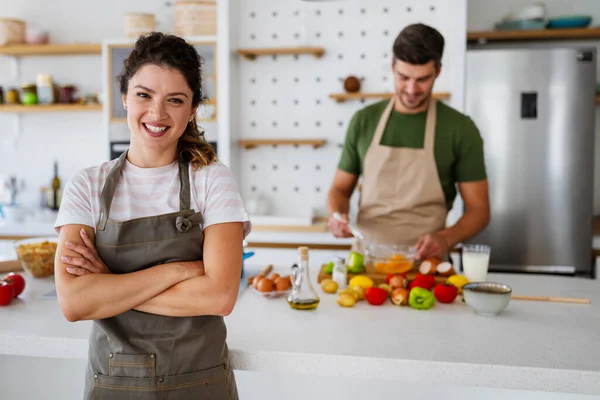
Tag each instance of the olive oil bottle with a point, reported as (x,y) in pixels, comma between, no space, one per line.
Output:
(303,296)
(54,194)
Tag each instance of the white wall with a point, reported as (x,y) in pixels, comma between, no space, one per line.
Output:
(76,140)
(483,14)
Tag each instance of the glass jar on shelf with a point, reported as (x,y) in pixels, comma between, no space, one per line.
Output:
(29,94)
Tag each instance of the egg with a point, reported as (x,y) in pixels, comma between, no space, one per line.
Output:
(265,285)
(282,284)
(274,276)
(257,279)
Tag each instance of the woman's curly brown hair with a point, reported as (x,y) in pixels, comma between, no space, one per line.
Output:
(173,52)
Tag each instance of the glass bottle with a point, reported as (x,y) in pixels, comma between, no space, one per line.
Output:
(303,296)
(54,195)
(340,273)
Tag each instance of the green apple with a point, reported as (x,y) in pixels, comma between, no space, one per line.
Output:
(356,263)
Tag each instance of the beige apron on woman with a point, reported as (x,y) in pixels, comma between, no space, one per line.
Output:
(136,355)
(401,197)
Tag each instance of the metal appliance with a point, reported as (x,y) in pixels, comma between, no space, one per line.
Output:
(535,109)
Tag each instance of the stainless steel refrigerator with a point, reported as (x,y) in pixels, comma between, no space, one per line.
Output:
(535,109)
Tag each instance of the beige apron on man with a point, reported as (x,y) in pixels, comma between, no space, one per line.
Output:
(137,355)
(401,197)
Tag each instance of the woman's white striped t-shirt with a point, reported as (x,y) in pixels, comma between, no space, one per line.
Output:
(144,192)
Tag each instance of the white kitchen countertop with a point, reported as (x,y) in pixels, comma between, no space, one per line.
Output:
(551,347)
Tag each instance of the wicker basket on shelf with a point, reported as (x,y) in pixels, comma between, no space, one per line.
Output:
(12,31)
(195,18)
(136,24)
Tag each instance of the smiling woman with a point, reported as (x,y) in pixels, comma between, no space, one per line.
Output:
(153,235)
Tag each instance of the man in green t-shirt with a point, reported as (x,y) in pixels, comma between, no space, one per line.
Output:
(412,151)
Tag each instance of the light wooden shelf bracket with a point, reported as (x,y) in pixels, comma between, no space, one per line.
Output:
(252,143)
(252,54)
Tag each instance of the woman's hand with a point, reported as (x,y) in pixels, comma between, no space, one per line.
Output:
(89,262)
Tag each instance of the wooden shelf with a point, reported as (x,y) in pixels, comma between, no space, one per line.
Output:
(49,108)
(341,97)
(598,99)
(50,49)
(542,34)
(251,143)
(251,54)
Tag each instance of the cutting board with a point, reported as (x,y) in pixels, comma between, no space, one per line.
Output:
(377,277)
(10,266)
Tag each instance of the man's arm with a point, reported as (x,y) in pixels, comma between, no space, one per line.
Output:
(215,292)
(470,172)
(475,218)
(476,214)
(338,200)
(345,179)
(104,295)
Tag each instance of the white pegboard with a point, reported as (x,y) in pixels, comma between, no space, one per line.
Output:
(288,96)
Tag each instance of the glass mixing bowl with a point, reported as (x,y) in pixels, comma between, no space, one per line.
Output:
(37,255)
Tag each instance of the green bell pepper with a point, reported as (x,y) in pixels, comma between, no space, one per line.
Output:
(421,299)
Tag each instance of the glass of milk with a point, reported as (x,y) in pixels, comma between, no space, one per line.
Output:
(475,262)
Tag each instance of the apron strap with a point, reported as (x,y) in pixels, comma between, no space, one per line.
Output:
(383,122)
(184,187)
(108,191)
(430,126)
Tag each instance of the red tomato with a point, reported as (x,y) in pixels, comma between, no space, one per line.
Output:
(376,296)
(17,281)
(445,293)
(7,293)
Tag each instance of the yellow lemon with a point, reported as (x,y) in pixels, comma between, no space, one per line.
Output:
(458,281)
(360,280)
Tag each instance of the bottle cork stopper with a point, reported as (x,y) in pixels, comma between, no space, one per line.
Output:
(303,251)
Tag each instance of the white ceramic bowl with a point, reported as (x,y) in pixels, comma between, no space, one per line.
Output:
(487,298)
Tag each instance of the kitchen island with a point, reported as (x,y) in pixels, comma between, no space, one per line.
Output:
(540,349)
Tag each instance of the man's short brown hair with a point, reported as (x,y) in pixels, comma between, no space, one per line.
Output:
(419,44)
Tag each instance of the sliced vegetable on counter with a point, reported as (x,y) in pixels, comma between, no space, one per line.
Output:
(355,263)
(445,269)
(421,299)
(445,293)
(429,266)
(376,296)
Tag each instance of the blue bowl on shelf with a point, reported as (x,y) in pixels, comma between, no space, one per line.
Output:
(569,22)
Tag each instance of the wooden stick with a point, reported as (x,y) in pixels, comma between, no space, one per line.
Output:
(552,299)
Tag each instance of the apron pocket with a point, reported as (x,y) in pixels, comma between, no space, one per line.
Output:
(132,365)
(120,388)
(208,384)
